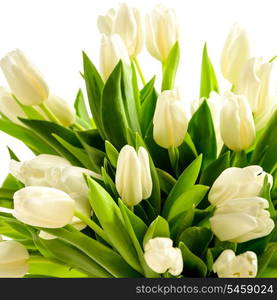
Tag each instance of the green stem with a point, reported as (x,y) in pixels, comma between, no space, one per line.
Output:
(174,158)
(139,70)
(78,127)
(239,159)
(97,229)
(49,114)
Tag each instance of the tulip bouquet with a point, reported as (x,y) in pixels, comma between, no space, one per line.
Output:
(137,185)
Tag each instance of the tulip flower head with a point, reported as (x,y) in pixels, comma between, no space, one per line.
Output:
(161,256)
(238,183)
(228,265)
(43,206)
(235,53)
(170,120)
(25,81)
(13,259)
(236,122)
(9,108)
(133,177)
(257,83)
(162,32)
(241,220)
(112,51)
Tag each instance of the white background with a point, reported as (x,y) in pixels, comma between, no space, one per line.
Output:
(53,33)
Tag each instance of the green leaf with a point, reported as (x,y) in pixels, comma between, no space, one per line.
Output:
(6,197)
(265,193)
(188,199)
(197,239)
(29,138)
(184,182)
(170,67)
(80,107)
(146,270)
(79,153)
(214,169)
(187,152)
(109,214)
(265,258)
(193,265)
(208,77)
(201,130)
(158,228)
(94,86)
(30,111)
(109,184)
(148,99)
(267,141)
(46,130)
(112,153)
(166,181)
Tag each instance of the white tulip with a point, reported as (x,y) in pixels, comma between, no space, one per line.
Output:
(43,207)
(9,108)
(215,104)
(33,172)
(170,120)
(64,112)
(127,23)
(24,80)
(228,265)
(133,177)
(13,259)
(257,84)
(112,51)
(235,53)
(161,256)
(241,220)
(238,183)
(236,122)
(162,32)
(105,23)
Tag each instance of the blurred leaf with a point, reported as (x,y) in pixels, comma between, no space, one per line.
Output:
(208,77)
(184,182)
(193,265)
(112,153)
(166,181)
(265,258)
(80,107)
(188,199)
(202,132)
(170,68)
(158,228)
(187,152)
(6,197)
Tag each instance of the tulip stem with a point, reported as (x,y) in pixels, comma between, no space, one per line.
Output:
(97,229)
(139,70)
(49,113)
(174,158)
(79,126)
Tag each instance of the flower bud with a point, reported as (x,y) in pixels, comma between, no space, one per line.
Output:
(43,207)
(25,82)
(215,104)
(162,32)
(228,265)
(257,84)
(161,256)
(133,177)
(241,220)
(238,183)
(112,51)
(13,259)
(105,23)
(127,23)
(236,122)
(61,109)
(170,120)
(235,53)
(9,108)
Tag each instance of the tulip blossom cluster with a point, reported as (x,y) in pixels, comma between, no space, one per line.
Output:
(135,180)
